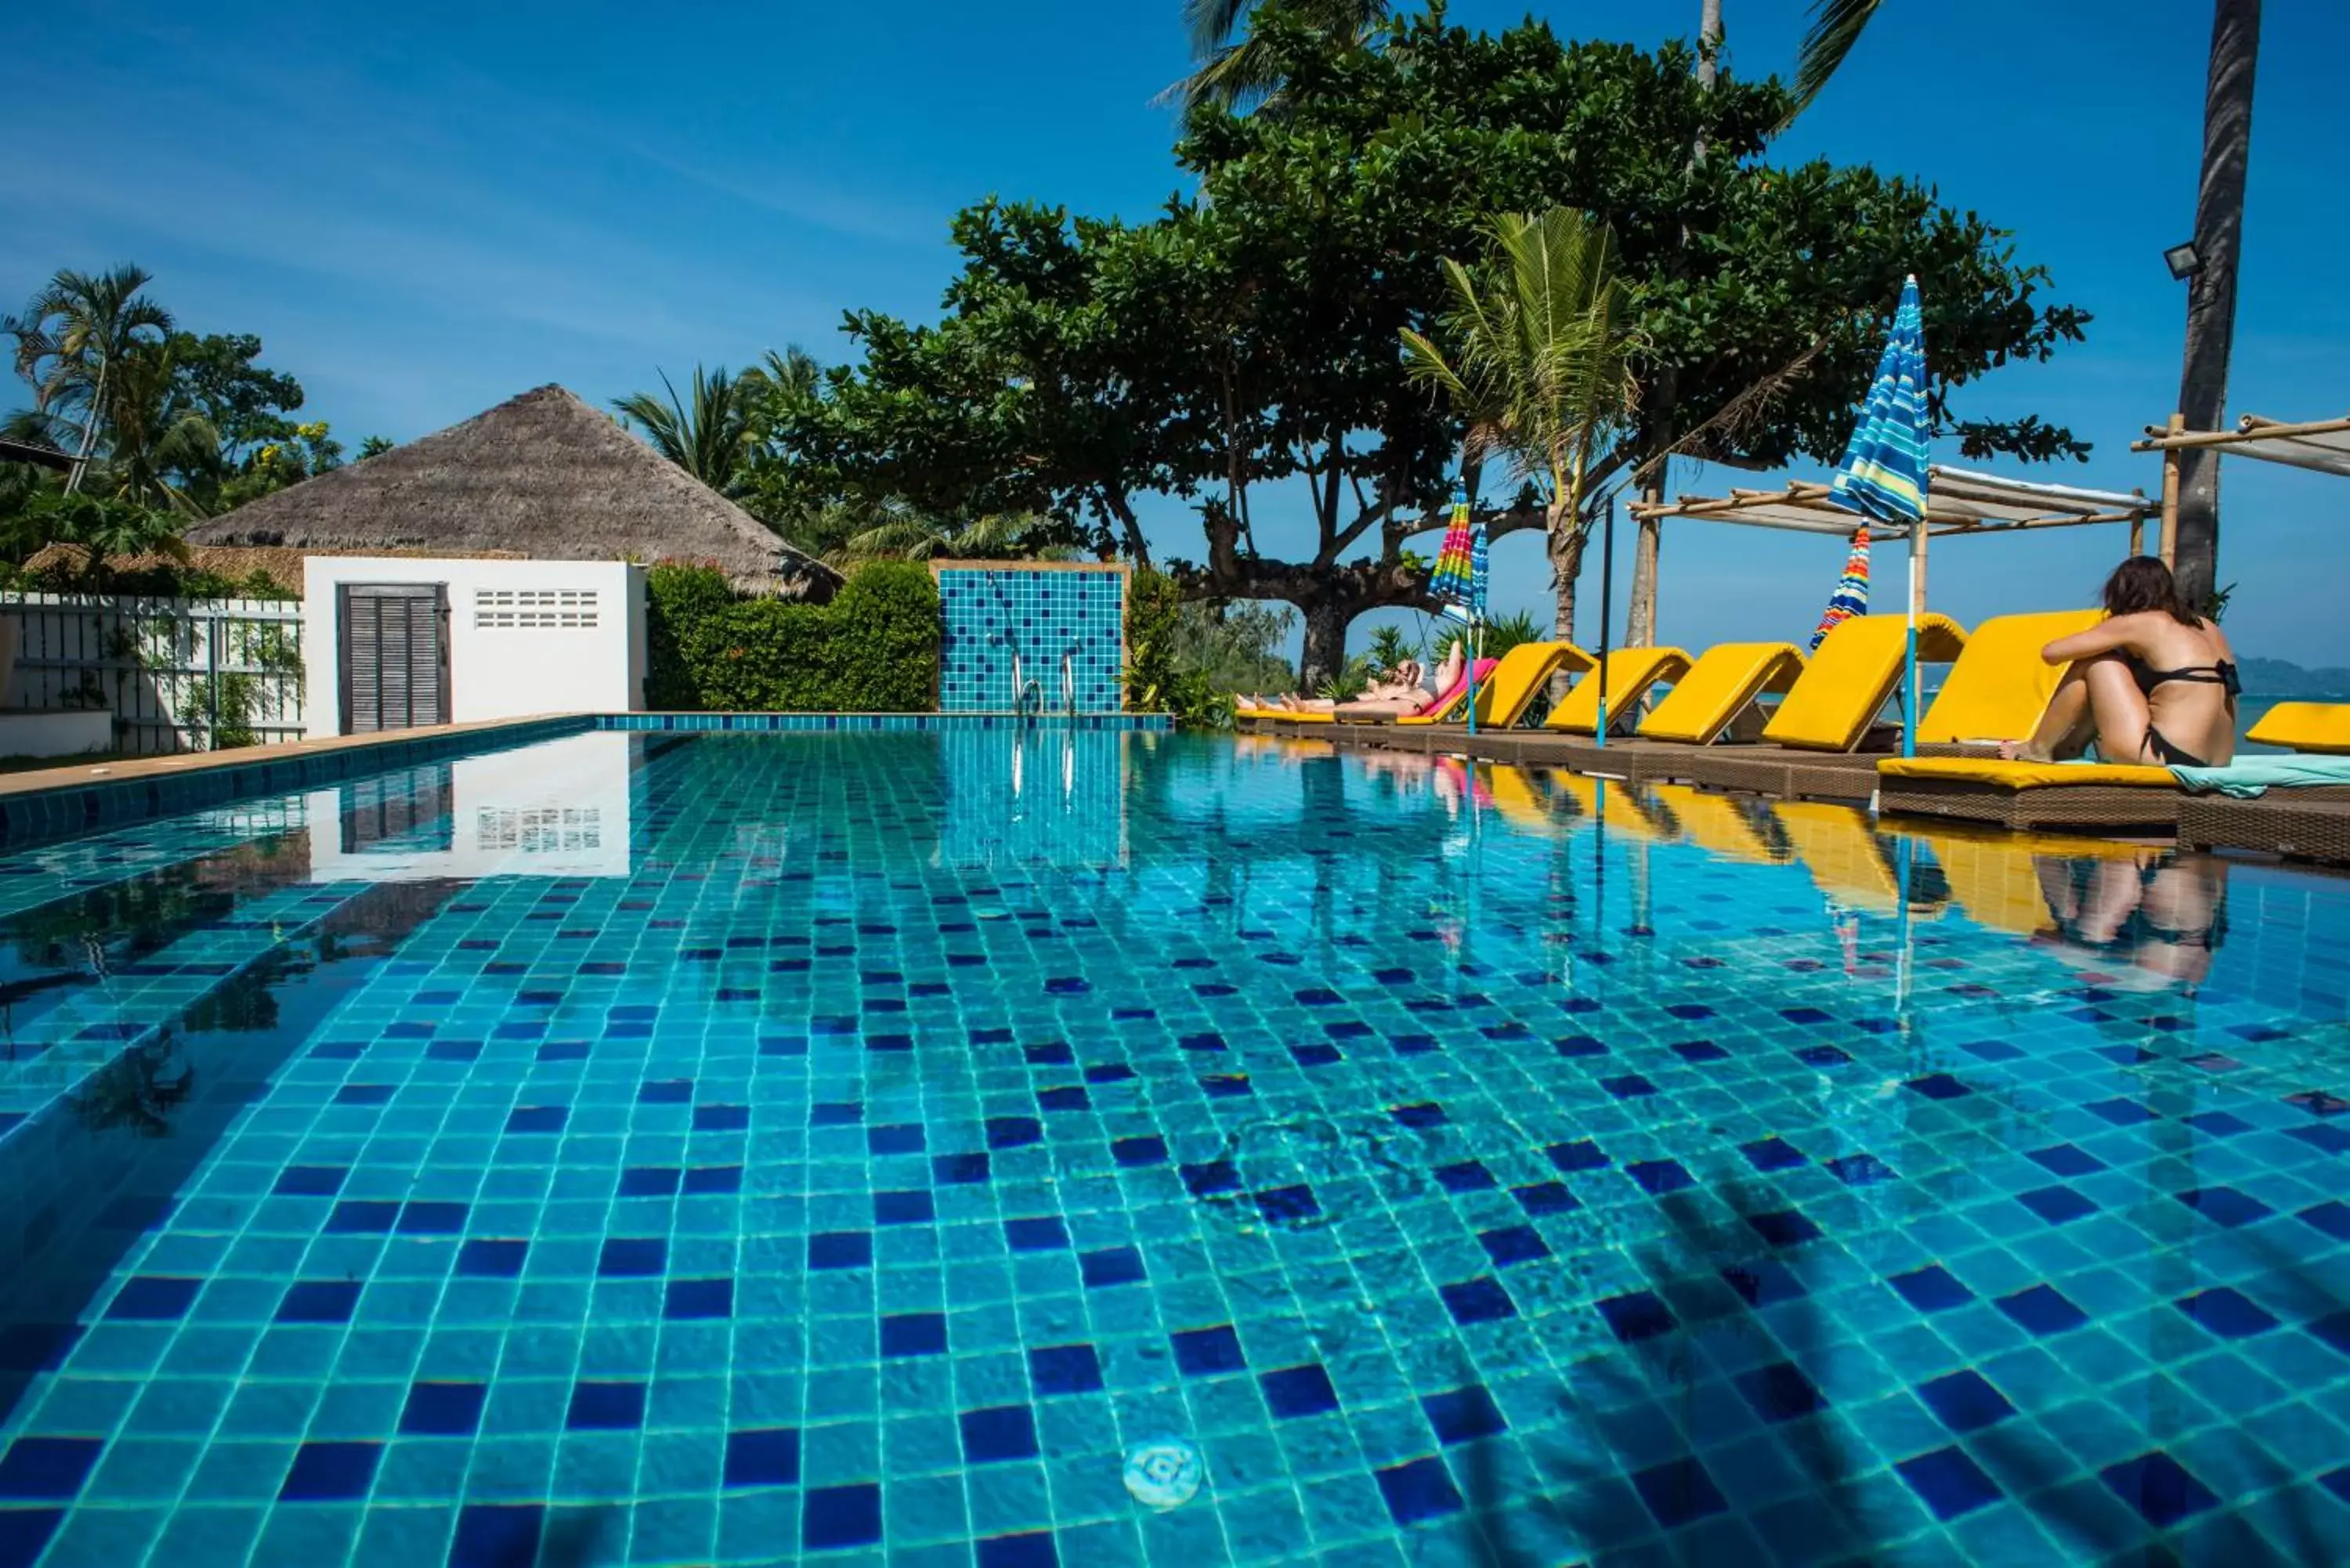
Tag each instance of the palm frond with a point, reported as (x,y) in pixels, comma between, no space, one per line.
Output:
(1243,73)
(1209,24)
(708,436)
(1836,26)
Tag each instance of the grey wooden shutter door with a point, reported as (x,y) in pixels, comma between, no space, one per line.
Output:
(395,656)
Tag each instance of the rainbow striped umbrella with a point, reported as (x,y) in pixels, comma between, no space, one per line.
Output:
(1851,596)
(1456,576)
(1459,579)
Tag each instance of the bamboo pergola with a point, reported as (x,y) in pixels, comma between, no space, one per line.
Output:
(1958,502)
(2322,445)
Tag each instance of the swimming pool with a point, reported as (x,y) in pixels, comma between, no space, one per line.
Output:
(666,1149)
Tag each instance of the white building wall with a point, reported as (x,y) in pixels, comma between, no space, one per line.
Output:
(525,637)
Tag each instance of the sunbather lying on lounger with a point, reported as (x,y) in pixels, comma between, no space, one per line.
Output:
(1400,693)
(2153,682)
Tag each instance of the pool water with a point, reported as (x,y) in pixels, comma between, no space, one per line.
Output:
(1025,1150)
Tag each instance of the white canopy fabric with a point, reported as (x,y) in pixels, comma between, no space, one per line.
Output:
(1958,501)
(2322,445)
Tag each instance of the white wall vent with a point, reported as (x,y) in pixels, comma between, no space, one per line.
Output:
(534,610)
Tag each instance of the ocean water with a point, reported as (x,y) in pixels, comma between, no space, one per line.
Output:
(1044,1148)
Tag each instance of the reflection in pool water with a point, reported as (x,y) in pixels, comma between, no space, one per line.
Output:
(880,1145)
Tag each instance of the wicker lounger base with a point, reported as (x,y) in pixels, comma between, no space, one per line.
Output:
(2115,807)
(2300,825)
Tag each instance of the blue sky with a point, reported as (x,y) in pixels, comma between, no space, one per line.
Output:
(424,209)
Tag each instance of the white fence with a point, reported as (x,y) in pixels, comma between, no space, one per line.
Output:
(179,675)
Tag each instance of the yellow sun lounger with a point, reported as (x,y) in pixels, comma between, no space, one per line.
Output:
(1503,696)
(1846,859)
(1999,687)
(1850,679)
(1725,681)
(2019,795)
(1715,824)
(2319,727)
(1630,672)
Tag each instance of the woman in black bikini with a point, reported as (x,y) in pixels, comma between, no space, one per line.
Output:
(2153,682)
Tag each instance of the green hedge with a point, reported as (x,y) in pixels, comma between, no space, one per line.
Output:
(874,649)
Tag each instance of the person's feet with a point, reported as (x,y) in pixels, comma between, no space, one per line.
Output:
(2024,752)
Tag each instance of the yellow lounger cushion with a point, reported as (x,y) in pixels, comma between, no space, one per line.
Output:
(2026,776)
(1849,679)
(1630,672)
(1999,687)
(2305,727)
(1718,687)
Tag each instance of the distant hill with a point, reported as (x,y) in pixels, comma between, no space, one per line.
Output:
(2282,677)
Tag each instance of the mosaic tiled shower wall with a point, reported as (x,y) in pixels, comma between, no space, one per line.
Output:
(1060,627)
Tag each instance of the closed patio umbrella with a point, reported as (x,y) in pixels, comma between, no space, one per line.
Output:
(1883,474)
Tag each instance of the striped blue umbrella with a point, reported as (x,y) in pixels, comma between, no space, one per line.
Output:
(1884,472)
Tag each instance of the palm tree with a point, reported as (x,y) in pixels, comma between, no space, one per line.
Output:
(1238,72)
(711,439)
(1540,365)
(1836,26)
(159,441)
(794,372)
(2211,292)
(73,339)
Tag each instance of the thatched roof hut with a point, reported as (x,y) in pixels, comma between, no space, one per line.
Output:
(542,476)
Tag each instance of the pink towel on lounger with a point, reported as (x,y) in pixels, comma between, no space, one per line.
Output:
(1484,669)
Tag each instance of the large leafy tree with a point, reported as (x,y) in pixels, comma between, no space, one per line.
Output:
(245,403)
(1249,336)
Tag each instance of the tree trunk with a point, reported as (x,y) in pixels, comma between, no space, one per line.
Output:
(1325,642)
(1565,545)
(2211,292)
(1709,45)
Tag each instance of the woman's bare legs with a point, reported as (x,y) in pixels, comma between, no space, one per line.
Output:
(2099,699)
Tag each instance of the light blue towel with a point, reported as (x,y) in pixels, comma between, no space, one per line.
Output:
(2247,778)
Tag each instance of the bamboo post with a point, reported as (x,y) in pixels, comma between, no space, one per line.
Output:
(1917,568)
(2137,537)
(2170,495)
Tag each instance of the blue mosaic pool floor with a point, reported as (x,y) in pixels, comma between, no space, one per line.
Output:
(854,1147)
